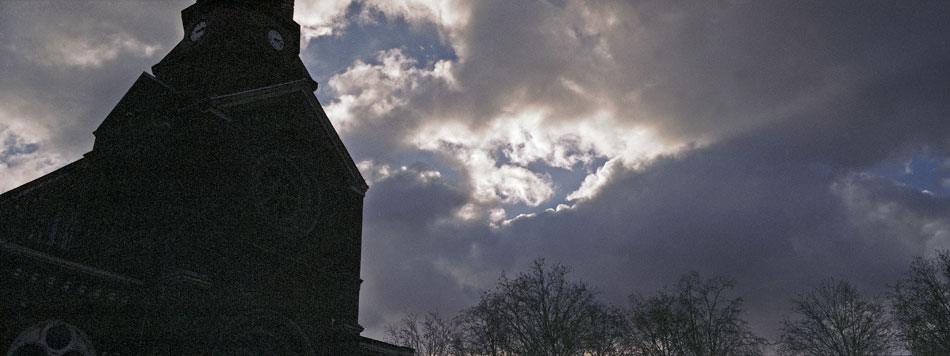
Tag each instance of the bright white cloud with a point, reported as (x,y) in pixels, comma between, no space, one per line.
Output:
(496,154)
(492,181)
(320,17)
(594,181)
(450,14)
(568,122)
(527,138)
(370,91)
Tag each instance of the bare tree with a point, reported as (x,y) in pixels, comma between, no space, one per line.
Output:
(610,334)
(835,320)
(655,326)
(696,318)
(432,336)
(539,313)
(482,328)
(921,303)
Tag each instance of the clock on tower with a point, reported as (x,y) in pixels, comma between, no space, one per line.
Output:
(217,214)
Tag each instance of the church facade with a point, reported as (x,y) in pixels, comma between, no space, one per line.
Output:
(218,212)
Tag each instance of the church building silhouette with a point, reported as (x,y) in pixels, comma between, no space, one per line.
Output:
(218,212)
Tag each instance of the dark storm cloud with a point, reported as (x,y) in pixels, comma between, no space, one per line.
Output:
(855,80)
(411,242)
(801,100)
(716,68)
(736,208)
(702,69)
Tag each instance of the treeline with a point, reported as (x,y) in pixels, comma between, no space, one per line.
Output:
(543,313)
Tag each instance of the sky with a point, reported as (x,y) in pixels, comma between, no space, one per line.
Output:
(778,143)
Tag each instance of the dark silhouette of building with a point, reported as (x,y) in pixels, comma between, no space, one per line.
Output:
(218,212)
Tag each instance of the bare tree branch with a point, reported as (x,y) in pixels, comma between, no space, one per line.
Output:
(541,313)
(835,320)
(921,302)
(694,319)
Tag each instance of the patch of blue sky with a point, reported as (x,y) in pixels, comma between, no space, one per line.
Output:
(13,147)
(363,39)
(921,171)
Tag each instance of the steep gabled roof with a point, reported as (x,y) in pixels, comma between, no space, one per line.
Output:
(147,94)
(219,104)
(36,186)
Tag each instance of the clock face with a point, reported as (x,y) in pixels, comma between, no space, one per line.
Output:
(276,40)
(198,31)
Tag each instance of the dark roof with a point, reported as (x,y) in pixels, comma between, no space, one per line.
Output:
(372,347)
(53,176)
(304,87)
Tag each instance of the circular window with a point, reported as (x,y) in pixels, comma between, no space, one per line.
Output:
(52,338)
(283,195)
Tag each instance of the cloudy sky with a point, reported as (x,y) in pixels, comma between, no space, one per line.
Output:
(775,142)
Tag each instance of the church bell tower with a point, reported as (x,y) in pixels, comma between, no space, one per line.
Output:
(218,213)
(234,45)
